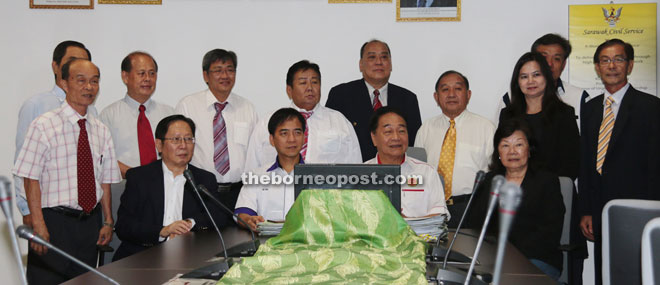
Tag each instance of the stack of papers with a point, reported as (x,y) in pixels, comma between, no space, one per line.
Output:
(430,228)
(269,228)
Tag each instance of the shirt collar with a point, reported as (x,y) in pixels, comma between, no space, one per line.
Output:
(276,165)
(71,115)
(618,95)
(168,173)
(211,100)
(315,110)
(59,93)
(135,105)
(457,119)
(560,84)
(402,162)
(371,88)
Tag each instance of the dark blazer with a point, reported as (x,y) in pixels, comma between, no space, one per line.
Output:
(558,148)
(140,214)
(352,99)
(632,164)
(537,226)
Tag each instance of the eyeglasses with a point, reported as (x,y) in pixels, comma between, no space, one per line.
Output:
(617,60)
(178,141)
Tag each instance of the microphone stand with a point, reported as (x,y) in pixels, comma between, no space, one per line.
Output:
(5,201)
(26,232)
(509,202)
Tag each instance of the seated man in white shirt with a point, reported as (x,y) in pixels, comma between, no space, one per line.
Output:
(260,202)
(329,137)
(159,202)
(389,133)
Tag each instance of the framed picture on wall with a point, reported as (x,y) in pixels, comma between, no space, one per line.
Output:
(61,4)
(428,10)
(151,2)
(359,1)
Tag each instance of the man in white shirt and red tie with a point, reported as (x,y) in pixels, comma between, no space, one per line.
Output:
(224,122)
(458,142)
(132,120)
(389,133)
(68,163)
(329,137)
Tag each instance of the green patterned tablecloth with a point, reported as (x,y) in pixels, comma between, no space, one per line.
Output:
(337,237)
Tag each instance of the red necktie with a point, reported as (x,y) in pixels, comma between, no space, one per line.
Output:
(303,150)
(86,183)
(145,139)
(377,103)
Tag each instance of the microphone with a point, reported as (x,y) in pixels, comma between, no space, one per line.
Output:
(496,184)
(188,175)
(5,203)
(26,232)
(510,197)
(477,181)
(241,250)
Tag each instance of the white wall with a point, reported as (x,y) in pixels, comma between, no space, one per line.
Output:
(268,36)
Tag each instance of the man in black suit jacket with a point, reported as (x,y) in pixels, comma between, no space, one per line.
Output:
(356,99)
(631,166)
(159,203)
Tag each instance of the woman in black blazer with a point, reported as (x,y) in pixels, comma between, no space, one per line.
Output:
(552,122)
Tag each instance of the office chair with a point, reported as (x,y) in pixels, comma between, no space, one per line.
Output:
(623,223)
(651,252)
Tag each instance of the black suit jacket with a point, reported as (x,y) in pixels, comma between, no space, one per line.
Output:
(632,163)
(353,100)
(558,149)
(140,214)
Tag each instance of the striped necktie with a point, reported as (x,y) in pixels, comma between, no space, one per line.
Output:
(303,150)
(604,134)
(447,155)
(221,151)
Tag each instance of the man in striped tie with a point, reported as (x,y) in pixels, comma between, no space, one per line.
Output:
(620,157)
(224,122)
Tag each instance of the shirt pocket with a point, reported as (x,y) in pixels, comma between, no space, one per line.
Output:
(241,133)
(472,156)
(329,142)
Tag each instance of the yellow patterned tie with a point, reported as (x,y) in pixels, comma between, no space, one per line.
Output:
(447,155)
(604,134)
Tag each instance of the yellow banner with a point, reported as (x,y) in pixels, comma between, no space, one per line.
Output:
(591,25)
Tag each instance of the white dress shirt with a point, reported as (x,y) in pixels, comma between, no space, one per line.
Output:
(382,96)
(271,201)
(423,199)
(331,139)
(474,146)
(32,108)
(121,118)
(49,155)
(173,210)
(240,119)
(618,98)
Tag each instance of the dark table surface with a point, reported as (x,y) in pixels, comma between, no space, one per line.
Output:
(190,251)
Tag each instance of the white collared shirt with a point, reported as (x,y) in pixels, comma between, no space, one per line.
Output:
(331,139)
(382,96)
(418,200)
(474,146)
(618,98)
(121,118)
(271,201)
(240,119)
(49,155)
(173,210)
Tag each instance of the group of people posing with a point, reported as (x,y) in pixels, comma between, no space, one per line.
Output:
(69,157)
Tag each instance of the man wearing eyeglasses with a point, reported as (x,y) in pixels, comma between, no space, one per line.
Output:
(619,144)
(159,203)
(225,122)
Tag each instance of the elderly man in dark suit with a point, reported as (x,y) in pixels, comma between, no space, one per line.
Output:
(620,142)
(358,99)
(158,203)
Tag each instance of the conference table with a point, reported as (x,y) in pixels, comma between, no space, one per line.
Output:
(185,253)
